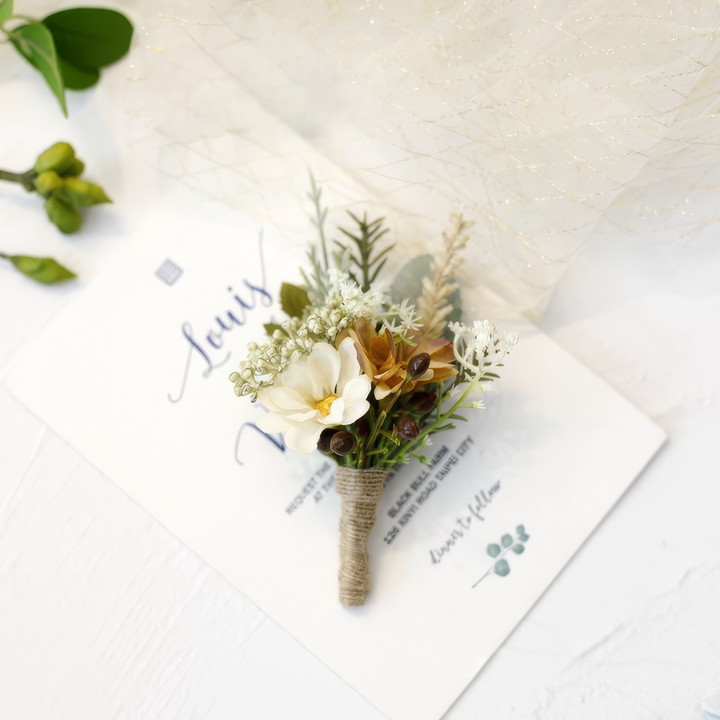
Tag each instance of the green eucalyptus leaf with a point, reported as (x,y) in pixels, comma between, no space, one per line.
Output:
(522,536)
(520,529)
(35,43)
(76,78)
(44,270)
(518,548)
(493,550)
(6,10)
(501,568)
(293,299)
(90,38)
(506,540)
(270,328)
(408,281)
(408,285)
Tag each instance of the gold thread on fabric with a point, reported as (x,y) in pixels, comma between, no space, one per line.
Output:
(360,490)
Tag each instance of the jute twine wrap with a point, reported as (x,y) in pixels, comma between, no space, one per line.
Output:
(360,491)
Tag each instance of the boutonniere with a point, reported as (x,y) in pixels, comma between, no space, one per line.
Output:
(367,378)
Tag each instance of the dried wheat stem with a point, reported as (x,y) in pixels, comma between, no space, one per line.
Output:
(432,304)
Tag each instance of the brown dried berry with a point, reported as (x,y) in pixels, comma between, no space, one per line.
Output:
(418,365)
(362,427)
(325,437)
(422,401)
(407,428)
(343,443)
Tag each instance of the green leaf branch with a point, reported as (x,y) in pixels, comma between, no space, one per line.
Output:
(70,47)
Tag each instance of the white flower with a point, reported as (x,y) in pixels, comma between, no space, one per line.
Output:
(481,348)
(406,321)
(408,316)
(323,389)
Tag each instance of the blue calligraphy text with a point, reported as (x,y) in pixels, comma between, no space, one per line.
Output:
(277,441)
(254,295)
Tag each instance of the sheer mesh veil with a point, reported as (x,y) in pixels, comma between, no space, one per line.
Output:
(546,122)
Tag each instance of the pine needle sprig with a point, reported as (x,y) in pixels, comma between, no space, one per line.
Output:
(432,304)
(365,245)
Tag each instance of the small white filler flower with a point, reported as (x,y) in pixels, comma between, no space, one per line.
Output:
(324,389)
(480,349)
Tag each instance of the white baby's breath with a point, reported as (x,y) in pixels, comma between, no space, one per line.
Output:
(343,304)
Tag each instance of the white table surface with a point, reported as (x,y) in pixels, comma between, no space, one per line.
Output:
(104,614)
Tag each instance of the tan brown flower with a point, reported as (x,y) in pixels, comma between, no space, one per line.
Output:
(385,362)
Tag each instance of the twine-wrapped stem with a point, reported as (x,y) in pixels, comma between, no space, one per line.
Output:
(360,490)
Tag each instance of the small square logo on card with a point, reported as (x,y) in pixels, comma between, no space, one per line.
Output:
(169,272)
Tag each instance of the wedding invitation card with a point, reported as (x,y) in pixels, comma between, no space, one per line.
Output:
(134,375)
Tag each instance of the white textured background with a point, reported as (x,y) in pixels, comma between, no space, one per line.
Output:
(103,614)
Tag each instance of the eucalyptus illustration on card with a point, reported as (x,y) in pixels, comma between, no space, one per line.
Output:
(501,566)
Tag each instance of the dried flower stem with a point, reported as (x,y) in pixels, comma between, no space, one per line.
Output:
(433,304)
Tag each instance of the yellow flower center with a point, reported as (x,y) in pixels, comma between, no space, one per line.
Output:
(324,405)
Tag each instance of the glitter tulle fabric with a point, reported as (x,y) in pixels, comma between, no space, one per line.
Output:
(548,123)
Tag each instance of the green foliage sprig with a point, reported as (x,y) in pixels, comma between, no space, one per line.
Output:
(362,254)
(56,177)
(68,48)
(317,280)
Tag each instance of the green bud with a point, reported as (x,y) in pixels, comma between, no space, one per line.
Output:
(64,215)
(47,183)
(76,168)
(81,192)
(57,158)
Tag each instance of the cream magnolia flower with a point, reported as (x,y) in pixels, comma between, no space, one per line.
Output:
(324,389)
